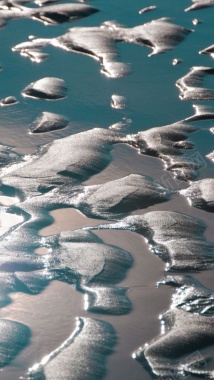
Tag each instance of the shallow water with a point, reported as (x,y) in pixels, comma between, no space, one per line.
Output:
(124,100)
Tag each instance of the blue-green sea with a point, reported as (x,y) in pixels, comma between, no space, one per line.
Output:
(49,307)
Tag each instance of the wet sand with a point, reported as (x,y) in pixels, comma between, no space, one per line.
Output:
(51,314)
(151,100)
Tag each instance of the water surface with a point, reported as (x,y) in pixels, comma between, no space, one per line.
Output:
(37,191)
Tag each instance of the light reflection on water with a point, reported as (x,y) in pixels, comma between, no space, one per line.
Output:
(51,319)
(152,101)
(7,221)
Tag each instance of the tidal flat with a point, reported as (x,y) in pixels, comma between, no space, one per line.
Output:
(106,190)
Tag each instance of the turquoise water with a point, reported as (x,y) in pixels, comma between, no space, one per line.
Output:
(49,302)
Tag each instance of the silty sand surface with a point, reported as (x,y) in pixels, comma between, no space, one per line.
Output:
(48,291)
